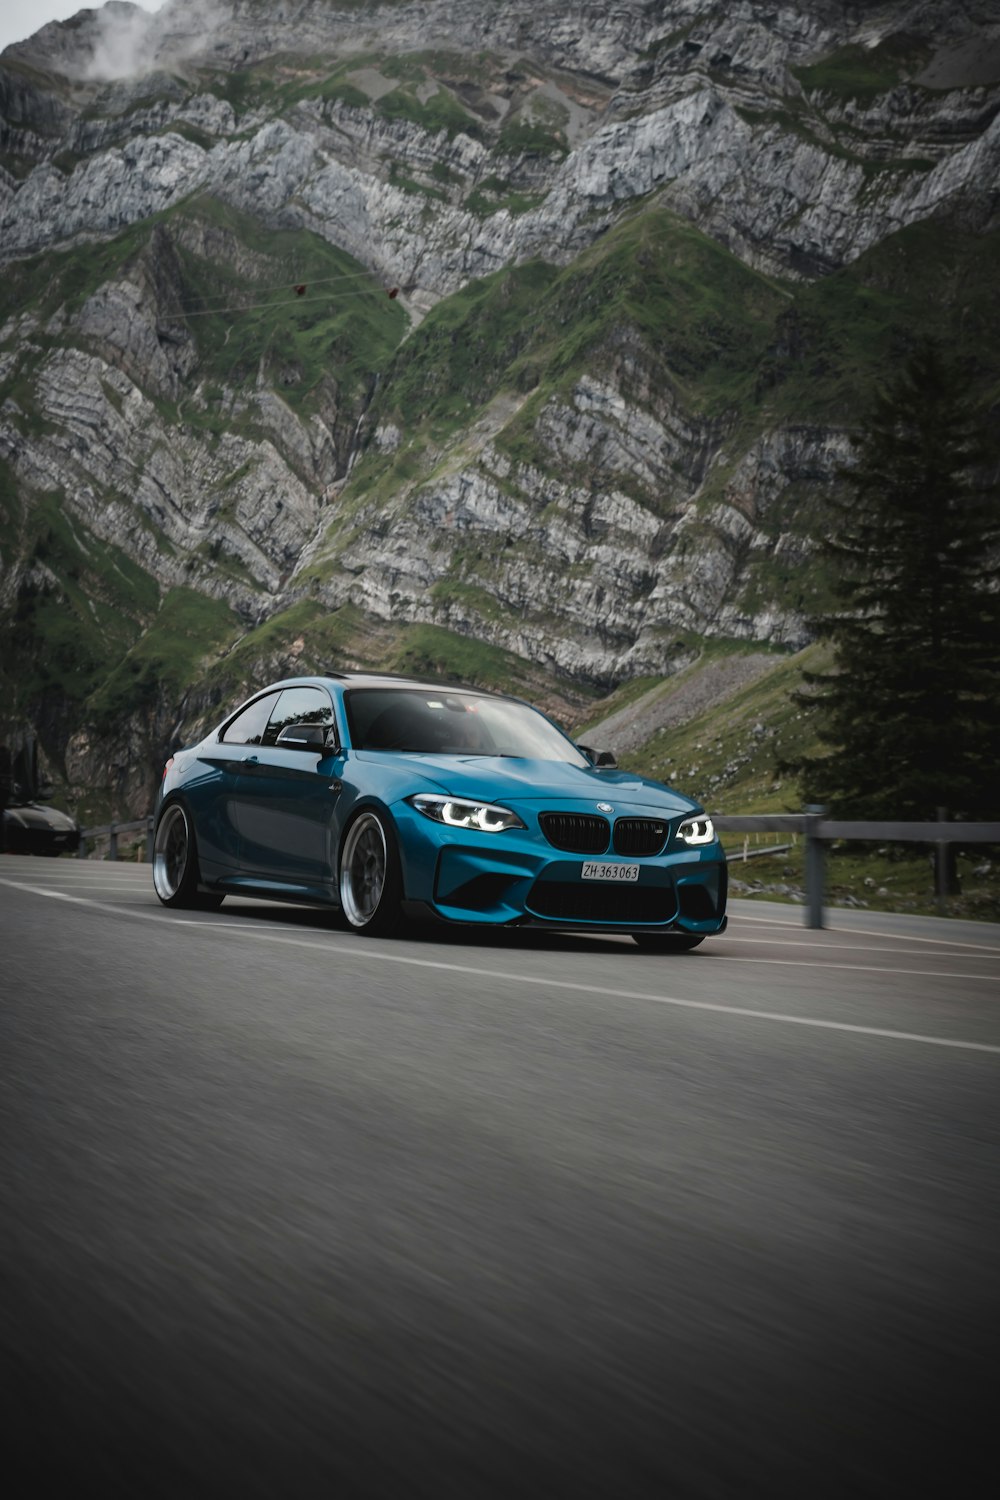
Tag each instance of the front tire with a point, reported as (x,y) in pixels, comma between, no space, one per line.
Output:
(371,882)
(175,862)
(669,942)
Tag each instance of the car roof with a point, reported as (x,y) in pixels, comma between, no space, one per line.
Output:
(390,679)
(435,684)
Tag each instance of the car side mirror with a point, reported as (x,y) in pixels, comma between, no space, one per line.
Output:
(600,759)
(309,737)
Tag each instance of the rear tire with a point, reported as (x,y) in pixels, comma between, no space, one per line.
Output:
(669,942)
(371,882)
(175,862)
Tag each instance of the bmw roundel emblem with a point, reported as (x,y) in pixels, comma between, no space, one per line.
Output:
(604,807)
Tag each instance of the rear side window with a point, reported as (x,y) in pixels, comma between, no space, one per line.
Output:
(298,705)
(249,725)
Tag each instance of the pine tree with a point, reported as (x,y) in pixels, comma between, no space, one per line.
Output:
(911,711)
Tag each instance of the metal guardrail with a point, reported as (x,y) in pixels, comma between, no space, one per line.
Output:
(110,831)
(815,828)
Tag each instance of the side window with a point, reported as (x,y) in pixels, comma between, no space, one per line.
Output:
(298,705)
(248,726)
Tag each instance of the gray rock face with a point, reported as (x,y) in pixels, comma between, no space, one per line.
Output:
(544,125)
(696,123)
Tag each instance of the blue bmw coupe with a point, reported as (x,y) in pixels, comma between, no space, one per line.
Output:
(385,798)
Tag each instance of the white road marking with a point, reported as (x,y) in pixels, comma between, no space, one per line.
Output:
(126,875)
(848,932)
(119,886)
(372,954)
(129,881)
(737,958)
(714,955)
(825,963)
(43,890)
(980,951)
(79,869)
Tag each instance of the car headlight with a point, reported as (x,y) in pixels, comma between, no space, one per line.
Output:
(700,830)
(459,812)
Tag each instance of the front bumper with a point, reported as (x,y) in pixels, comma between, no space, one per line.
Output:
(516,879)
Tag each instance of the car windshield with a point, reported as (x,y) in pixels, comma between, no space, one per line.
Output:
(453,723)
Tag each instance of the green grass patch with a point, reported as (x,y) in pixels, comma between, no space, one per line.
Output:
(163,661)
(112,397)
(429,650)
(245,89)
(80,609)
(477,600)
(863,73)
(441,112)
(345,93)
(495,193)
(520,137)
(846,332)
(20,166)
(461,351)
(232,676)
(401,179)
(192,133)
(332,338)
(439,63)
(45,283)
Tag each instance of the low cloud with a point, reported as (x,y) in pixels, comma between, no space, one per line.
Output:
(124,41)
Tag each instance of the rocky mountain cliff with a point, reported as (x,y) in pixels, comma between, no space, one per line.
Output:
(521,341)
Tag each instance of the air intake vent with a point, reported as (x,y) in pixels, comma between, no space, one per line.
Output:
(640,836)
(613,904)
(579,833)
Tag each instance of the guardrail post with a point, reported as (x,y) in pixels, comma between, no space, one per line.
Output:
(942,867)
(113,842)
(815,861)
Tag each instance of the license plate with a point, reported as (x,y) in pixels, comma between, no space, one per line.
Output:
(591,871)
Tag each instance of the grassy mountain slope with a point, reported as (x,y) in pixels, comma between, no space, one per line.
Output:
(683,331)
(729,341)
(228,284)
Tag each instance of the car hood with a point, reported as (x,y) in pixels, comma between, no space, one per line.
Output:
(30,815)
(489,778)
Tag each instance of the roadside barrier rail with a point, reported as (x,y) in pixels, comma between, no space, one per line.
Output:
(110,831)
(813,826)
(817,830)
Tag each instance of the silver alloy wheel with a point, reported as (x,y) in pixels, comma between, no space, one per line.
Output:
(171,852)
(363,867)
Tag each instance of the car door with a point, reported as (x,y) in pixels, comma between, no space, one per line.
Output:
(286,800)
(213,794)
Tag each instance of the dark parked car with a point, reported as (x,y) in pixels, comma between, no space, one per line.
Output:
(31,828)
(384,797)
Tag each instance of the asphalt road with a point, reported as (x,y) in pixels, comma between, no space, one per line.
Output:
(284,1211)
